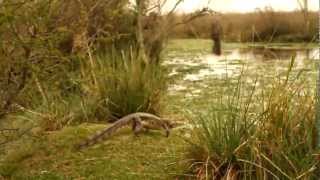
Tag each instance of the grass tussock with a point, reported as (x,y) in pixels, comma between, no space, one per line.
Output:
(128,84)
(256,131)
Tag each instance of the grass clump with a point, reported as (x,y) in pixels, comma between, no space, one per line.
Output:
(221,132)
(127,84)
(256,131)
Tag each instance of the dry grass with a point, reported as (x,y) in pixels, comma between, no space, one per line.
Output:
(266,25)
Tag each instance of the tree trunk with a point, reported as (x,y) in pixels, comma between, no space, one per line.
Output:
(216,32)
(139,29)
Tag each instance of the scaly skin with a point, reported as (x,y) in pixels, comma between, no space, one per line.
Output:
(150,121)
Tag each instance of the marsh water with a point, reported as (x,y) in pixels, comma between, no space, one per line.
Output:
(195,70)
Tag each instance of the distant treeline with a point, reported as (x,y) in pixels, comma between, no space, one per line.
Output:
(261,25)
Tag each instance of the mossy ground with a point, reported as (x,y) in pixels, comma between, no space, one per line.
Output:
(123,156)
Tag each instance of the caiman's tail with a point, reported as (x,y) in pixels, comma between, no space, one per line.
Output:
(100,136)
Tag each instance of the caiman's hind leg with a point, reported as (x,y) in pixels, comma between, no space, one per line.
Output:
(136,125)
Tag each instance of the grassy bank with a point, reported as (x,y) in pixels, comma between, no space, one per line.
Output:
(124,156)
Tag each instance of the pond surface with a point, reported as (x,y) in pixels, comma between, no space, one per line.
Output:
(195,70)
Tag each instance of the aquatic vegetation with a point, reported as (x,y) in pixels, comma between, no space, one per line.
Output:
(198,70)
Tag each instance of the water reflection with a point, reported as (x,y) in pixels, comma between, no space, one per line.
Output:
(231,61)
(268,54)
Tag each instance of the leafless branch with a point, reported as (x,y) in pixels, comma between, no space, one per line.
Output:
(194,16)
(175,7)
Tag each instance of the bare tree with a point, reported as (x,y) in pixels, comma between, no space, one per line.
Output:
(155,22)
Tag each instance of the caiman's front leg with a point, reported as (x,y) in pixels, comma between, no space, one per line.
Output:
(136,125)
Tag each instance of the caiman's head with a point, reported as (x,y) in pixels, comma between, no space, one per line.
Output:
(172,124)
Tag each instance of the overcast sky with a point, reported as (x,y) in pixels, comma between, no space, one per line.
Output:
(244,5)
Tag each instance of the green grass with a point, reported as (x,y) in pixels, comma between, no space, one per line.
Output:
(123,156)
